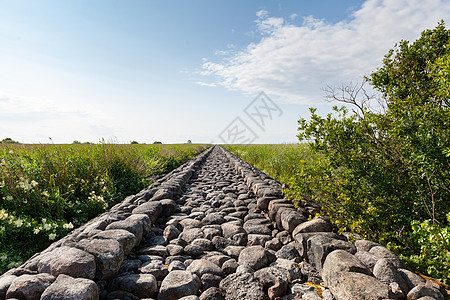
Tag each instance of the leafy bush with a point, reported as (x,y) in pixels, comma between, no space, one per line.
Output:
(383,169)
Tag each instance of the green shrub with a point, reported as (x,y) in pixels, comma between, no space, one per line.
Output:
(383,169)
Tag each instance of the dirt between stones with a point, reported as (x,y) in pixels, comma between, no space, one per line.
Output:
(215,228)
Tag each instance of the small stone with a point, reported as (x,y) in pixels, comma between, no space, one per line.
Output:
(190,234)
(287,252)
(141,285)
(171,232)
(178,284)
(385,272)
(213,293)
(383,252)
(176,266)
(209,280)
(154,267)
(230,266)
(273,244)
(125,238)
(174,249)
(203,266)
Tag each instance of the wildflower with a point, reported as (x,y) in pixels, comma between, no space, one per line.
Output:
(2,184)
(47,226)
(68,226)
(18,222)
(34,183)
(36,230)
(45,193)
(9,198)
(3,214)
(11,152)
(52,236)
(44,220)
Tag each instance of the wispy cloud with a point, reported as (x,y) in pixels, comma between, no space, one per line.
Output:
(294,62)
(206,84)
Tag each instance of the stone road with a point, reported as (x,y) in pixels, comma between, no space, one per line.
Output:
(216,228)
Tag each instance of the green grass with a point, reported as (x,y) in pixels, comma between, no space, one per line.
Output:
(46,190)
(279,161)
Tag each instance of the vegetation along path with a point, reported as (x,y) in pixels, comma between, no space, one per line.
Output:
(215,228)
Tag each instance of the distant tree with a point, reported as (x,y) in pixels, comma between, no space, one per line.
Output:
(76,142)
(134,143)
(157,142)
(9,141)
(189,142)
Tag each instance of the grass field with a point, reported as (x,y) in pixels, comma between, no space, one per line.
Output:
(276,160)
(47,190)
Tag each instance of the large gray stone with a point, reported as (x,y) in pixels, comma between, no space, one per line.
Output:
(190,234)
(154,267)
(383,252)
(152,209)
(29,287)
(315,225)
(291,219)
(230,229)
(274,276)
(385,272)
(351,286)
(108,256)
(242,286)
(319,246)
(340,261)
(255,257)
(70,261)
(412,279)
(203,266)
(133,224)
(66,287)
(5,282)
(424,291)
(178,284)
(125,238)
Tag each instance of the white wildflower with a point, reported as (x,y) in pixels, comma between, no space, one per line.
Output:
(36,230)
(68,226)
(34,183)
(47,226)
(18,222)
(52,236)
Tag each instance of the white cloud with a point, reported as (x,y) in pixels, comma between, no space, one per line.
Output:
(296,62)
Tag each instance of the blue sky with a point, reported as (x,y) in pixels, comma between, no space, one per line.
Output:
(178,70)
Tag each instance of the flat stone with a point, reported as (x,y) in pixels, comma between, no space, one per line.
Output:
(132,224)
(66,287)
(178,284)
(258,239)
(154,267)
(190,234)
(152,209)
(319,246)
(70,261)
(242,286)
(221,243)
(29,287)
(203,266)
(230,266)
(314,225)
(290,266)
(157,250)
(125,238)
(230,229)
(213,218)
(190,223)
(255,257)
(140,285)
(252,228)
(351,285)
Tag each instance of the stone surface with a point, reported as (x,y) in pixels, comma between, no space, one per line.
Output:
(125,238)
(255,257)
(70,261)
(140,285)
(314,225)
(203,266)
(351,285)
(385,272)
(108,256)
(66,287)
(5,282)
(319,246)
(424,291)
(340,261)
(242,286)
(29,287)
(178,284)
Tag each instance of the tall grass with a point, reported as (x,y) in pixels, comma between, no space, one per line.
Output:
(276,160)
(46,190)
